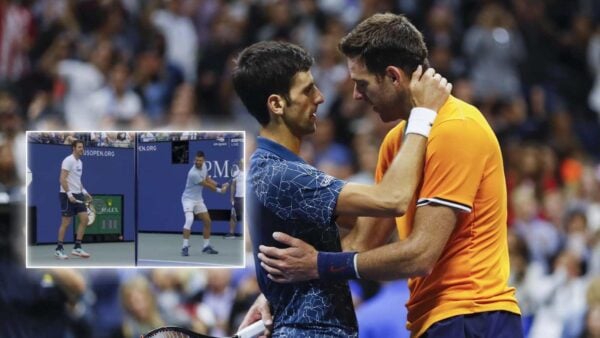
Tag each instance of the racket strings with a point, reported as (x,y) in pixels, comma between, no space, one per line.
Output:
(168,333)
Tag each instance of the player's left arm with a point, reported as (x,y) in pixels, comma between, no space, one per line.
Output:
(86,194)
(416,255)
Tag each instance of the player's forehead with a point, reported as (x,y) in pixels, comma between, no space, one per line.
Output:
(358,70)
(301,80)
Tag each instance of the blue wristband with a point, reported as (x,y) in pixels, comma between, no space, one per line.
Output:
(336,265)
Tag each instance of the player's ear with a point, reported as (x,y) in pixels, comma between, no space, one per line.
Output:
(396,75)
(276,103)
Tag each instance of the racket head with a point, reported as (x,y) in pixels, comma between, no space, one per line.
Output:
(174,332)
(254,330)
(91,212)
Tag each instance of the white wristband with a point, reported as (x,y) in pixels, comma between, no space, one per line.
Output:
(356,266)
(219,190)
(420,121)
(70,194)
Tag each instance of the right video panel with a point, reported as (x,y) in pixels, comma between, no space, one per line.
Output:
(190,189)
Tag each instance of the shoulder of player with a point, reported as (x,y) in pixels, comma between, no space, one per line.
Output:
(69,159)
(469,134)
(394,136)
(269,167)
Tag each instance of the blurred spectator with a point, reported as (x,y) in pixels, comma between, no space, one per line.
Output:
(246,287)
(12,150)
(524,275)
(36,303)
(592,318)
(17,33)
(219,296)
(542,237)
(117,106)
(147,137)
(139,303)
(375,318)
(124,140)
(81,78)
(213,73)
(329,72)
(154,78)
(331,157)
(182,115)
(176,26)
(494,48)
(593,59)
(563,301)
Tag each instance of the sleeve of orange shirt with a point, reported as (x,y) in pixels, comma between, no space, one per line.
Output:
(454,165)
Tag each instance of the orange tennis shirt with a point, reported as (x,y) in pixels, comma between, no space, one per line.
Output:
(464,171)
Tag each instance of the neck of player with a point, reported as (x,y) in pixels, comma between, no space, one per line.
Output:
(282,136)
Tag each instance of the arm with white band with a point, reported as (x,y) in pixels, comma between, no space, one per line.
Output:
(343,265)
(391,196)
(420,121)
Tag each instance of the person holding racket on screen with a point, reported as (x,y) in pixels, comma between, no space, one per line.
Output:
(193,203)
(285,194)
(72,196)
(237,199)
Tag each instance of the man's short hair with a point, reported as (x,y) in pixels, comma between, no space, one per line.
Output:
(384,40)
(266,68)
(199,153)
(75,142)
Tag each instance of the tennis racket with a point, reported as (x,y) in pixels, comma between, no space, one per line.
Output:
(251,331)
(91,206)
(233,213)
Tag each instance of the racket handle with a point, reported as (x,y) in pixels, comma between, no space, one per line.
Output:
(251,331)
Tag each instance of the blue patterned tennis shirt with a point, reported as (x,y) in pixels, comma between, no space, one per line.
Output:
(286,194)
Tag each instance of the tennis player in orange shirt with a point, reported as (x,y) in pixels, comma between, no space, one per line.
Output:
(453,245)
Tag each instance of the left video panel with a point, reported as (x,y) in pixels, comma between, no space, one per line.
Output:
(81,199)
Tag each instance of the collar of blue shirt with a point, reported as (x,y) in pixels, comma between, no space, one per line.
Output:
(277,149)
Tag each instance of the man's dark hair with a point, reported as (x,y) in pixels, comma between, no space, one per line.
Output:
(385,40)
(74,143)
(267,68)
(199,153)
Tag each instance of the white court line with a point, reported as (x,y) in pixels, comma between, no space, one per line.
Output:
(181,262)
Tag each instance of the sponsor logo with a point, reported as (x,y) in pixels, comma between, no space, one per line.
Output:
(108,210)
(99,153)
(218,169)
(147,148)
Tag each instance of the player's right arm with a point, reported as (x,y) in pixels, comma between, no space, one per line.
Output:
(260,310)
(212,185)
(393,194)
(63,183)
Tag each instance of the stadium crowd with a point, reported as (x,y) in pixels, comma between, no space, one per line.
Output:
(531,66)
